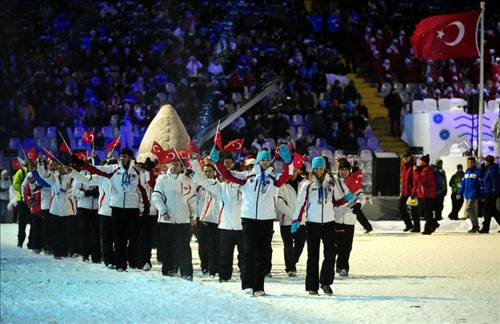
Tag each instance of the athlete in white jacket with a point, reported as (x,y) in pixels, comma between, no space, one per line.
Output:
(258,211)
(88,220)
(104,212)
(293,243)
(315,208)
(62,206)
(175,198)
(126,193)
(207,227)
(345,220)
(230,228)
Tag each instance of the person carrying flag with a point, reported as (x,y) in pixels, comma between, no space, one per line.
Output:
(259,188)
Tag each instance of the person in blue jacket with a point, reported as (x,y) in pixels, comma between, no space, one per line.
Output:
(491,189)
(471,189)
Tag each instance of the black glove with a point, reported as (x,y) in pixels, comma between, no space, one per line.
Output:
(356,207)
(146,211)
(94,192)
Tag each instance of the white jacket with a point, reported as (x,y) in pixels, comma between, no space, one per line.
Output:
(5,185)
(287,197)
(87,202)
(229,195)
(259,198)
(175,194)
(311,205)
(62,202)
(146,176)
(210,204)
(344,214)
(104,186)
(125,191)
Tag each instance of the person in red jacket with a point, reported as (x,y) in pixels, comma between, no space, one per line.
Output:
(406,188)
(424,188)
(32,197)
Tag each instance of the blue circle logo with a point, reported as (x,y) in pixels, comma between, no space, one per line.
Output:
(438,118)
(444,134)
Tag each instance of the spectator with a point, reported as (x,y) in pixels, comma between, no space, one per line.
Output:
(455,182)
(394,105)
(5,183)
(471,189)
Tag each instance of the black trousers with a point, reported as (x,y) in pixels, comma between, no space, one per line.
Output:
(293,245)
(228,240)
(317,233)
(46,231)
(208,246)
(175,249)
(257,237)
(89,234)
(361,218)
(396,126)
(438,207)
(490,210)
(62,230)
(456,205)
(125,236)
(107,239)
(403,209)
(425,206)
(148,224)
(36,230)
(23,217)
(344,235)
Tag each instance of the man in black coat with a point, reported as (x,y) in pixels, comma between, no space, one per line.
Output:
(394,104)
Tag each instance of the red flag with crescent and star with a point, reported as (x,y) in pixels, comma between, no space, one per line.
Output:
(447,36)
(31,154)
(164,156)
(114,143)
(88,137)
(355,182)
(235,146)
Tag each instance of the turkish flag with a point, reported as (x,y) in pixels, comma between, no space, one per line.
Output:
(192,148)
(65,148)
(47,153)
(31,154)
(81,155)
(298,161)
(15,165)
(355,182)
(495,73)
(88,137)
(235,146)
(163,156)
(185,157)
(447,36)
(218,139)
(114,143)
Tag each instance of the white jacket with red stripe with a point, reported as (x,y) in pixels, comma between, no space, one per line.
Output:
(175,194)
(229,194)
(209,204)
(62,201)
(312,206)
(104,186)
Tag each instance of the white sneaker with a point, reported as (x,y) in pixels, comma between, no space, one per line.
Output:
(248,291)
(146,267)
(259,293)
(110,266)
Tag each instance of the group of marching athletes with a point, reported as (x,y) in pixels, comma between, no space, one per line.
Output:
(109,213)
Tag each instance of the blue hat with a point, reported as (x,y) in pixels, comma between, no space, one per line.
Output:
(318,162)
(263,155)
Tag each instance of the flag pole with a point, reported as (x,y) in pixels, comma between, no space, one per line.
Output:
(180,158)
(481,86)
(62,137)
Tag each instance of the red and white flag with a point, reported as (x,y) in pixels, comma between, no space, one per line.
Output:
(192,147)
(31,154)
(235,146)
(81,155)
(65,148)
(47,153)
(218,138)
(298,161)
(114,143)
(355,182)
(447,36)
(164,156)
(88,137)
(495,73)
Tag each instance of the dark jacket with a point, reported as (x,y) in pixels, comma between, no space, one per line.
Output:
(491,181)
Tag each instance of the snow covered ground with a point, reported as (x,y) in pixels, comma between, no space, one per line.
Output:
(449,277)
